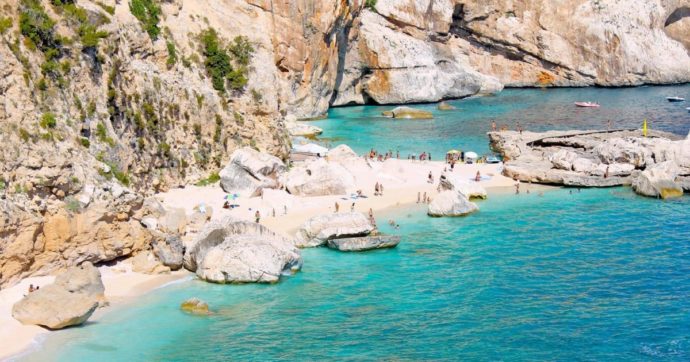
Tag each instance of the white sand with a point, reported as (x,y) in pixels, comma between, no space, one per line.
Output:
(402,180)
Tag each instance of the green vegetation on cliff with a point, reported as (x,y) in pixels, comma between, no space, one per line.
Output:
(220,59)
(148,13)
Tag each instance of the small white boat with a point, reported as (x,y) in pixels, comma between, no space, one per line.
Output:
(675,99)
(688,109)
(587,104)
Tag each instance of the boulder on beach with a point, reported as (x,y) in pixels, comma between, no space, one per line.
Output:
(320,229)
(408,113)
(195,306)
(170,251)
(249,171)
(451,203)
(147,263)
(318,178)
(444,106)
(658,181)
(69,301)
(364,243)
(231,251)
(340,153)
(471,189)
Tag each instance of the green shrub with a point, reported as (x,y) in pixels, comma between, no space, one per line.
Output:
(5,24)
(85,142)
(211,179)
(108,9)
(164,149)
(148,13)
(172,54)
(72,205)
(217,61)
(370,4)
(241,50)
(48,121)
(37,26)
(24,135)
(219,129)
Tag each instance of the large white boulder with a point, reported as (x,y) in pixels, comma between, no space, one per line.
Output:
(249,171)
(69,301)
(564,159)
(300,129)
(341,153)
(658,181)
(231,251)
(471,189)
(621,150)
(319,229)
(451,203)
(318,178)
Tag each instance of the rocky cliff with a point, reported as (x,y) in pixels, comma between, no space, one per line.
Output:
(103,102)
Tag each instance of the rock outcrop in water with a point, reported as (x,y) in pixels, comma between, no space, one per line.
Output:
(319,230)
(364,243)
(655,166)
(451,203)
(69,301)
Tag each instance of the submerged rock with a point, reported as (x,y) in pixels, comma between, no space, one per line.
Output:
(195,306)
(408,113)
(320,229)
(249,171)
(69,301)
(451,203)
(443,106)
(365,243)
(231,251)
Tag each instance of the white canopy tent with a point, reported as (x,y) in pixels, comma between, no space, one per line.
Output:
(311,148)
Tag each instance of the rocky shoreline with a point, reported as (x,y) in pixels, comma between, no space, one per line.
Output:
(655,165)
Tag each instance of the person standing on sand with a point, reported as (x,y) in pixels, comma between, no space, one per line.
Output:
(381,190)
(257,216)
(517,187)
(493,126)
(285,209)
(274,212)
(478,177)
(424,198)
(337,207)
(376,189)
(397,154)
(430,179)
(609,127)
(352,208)
(419,195)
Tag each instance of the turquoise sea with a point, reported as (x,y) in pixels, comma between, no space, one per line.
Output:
(363,127)
(590,275)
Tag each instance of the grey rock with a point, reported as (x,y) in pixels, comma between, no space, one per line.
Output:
(249,171)
(320,229)
(365,243)
(170,252)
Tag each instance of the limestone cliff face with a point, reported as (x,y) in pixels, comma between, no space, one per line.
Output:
(92,125)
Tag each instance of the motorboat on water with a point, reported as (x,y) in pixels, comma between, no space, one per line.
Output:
(675,99)
(688,109)
(587,104)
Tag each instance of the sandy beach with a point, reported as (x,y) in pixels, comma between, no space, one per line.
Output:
(121,286)
(402,180)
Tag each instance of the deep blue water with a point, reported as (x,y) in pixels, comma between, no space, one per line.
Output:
(363,127)
(591,276)
(596,275)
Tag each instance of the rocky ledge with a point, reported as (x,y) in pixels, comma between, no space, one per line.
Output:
(657,165)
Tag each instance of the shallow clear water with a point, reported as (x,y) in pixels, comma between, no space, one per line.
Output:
(363,127)
(597,275)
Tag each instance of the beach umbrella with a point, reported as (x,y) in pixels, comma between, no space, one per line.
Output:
(311,148)
(471,155)
(453,152)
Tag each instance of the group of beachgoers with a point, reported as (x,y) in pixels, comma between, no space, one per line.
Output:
(374,155)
